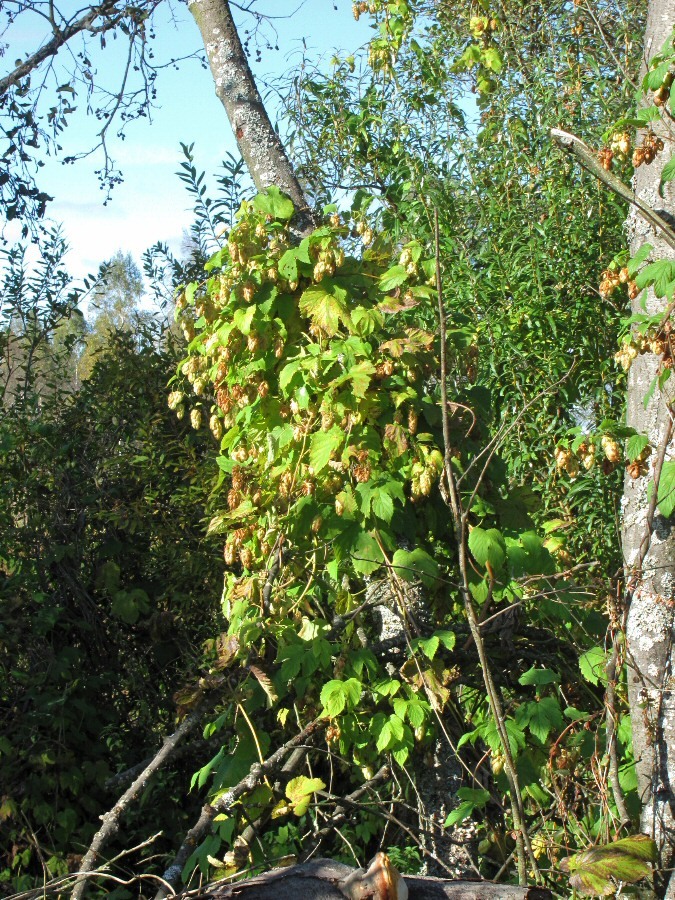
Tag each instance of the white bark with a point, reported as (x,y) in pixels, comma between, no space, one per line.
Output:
(649,547)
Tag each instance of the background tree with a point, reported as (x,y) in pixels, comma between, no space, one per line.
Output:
(35,305)
(115,308)
(106,594)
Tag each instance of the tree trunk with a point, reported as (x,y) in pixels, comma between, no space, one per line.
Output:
(648,537)
(236,89)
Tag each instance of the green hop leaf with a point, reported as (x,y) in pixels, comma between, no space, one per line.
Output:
(322,445)
(273,203)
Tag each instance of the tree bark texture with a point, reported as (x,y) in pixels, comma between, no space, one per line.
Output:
(324,879)
(648,537)
(258,142)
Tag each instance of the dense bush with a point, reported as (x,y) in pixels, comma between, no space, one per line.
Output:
(106,594)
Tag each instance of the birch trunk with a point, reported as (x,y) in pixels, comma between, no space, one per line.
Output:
(649,538)
(236,89)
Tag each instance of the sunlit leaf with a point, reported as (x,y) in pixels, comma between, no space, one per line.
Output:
(596,872)
(274,203)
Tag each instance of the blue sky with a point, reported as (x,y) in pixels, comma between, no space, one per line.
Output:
(152,204)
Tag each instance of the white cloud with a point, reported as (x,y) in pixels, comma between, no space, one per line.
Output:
(94,235)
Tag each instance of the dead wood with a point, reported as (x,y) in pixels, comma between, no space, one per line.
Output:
(324,879)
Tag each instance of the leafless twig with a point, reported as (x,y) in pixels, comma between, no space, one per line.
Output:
(523,844)
(111,819)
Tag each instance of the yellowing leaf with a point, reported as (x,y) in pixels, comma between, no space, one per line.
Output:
(326,306)
(283,808)
(299,792)
(416,340)
(227,647)
(595,872)
(395,438)
(265,683)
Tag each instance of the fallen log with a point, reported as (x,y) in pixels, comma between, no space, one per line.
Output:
(325,879)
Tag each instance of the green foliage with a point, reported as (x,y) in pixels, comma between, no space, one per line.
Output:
(471,800)
(315,366)
(329,449)
(105,590)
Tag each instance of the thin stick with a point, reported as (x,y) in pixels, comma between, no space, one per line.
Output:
(610,727)
(523,844)
(227,800)
(272,573)
(339,814)
(111,819)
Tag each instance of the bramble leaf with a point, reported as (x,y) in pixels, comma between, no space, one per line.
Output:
(666,495)
(411,565)
(636,261)
(592,665)
(429,646)
(539,677)
(366,554)
(660,273)
(487,546)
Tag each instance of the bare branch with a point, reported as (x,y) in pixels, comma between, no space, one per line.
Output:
(225,802)
(112,818)
(340,812)
(61,37)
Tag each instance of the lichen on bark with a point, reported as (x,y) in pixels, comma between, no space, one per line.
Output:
(258,142)
(648,538)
